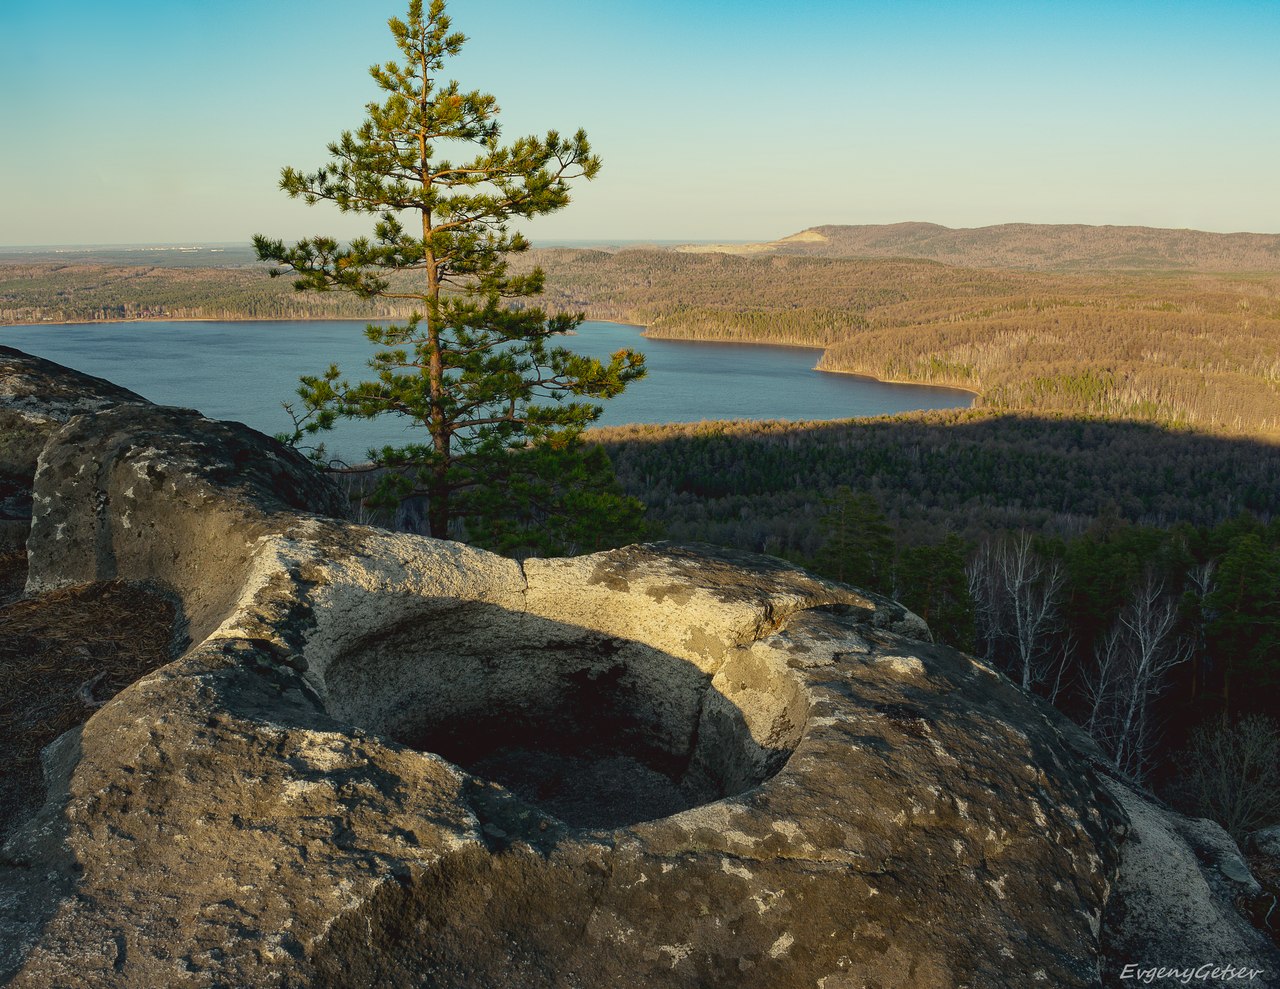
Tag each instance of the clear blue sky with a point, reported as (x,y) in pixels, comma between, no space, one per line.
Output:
(141,121)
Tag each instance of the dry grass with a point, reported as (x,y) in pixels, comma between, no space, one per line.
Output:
(13,574)
(62,655)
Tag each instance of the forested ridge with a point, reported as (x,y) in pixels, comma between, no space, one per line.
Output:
(1034,246)
(1181,348)
(1186,348)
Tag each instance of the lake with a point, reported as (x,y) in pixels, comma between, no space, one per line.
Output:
(244,370)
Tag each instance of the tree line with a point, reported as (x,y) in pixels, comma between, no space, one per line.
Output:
(761,486)
(72,293)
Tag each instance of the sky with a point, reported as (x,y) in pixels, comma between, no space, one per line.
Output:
(150,121)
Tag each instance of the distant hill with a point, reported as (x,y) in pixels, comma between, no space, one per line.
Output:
(1032,246)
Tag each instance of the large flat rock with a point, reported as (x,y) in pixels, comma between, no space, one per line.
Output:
(396,761)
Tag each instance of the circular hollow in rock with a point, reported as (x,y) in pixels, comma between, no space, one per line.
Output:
(596,731)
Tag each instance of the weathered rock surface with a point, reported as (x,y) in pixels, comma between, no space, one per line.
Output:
(389,760)
(144,492)
(1173,904)
(1267,841)
(36,398)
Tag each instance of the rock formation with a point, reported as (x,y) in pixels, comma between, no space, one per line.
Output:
(395,761)
(1267,841)
(36,398)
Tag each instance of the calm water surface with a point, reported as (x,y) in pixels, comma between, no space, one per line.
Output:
(243,371)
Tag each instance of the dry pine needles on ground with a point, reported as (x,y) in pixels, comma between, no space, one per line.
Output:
(62,655)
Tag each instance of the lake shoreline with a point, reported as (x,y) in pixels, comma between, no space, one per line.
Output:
(897,381)
(642,327)
(197,319)
(189,363)
(269,319)
(799,346)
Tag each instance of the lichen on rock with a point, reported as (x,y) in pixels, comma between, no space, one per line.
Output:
(396,761)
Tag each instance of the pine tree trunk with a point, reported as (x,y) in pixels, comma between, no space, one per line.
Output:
(438,487)
(438,505)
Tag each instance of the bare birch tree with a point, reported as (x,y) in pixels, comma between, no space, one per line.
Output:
(1016,594)
(1201,583)
(1130,670)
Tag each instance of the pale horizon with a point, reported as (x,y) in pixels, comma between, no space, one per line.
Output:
(542,242)
(155,124)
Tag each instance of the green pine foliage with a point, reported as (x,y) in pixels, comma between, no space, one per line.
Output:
(550,499)
(1243,612)
(930,580)
(858,548)
(475,363)
(861,547)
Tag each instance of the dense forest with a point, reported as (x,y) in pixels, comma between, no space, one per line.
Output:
(1180,348)
(760,485)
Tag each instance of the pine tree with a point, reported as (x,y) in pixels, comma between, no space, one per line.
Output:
(858,548)
(1244,635)
(474,365)
(930,580)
